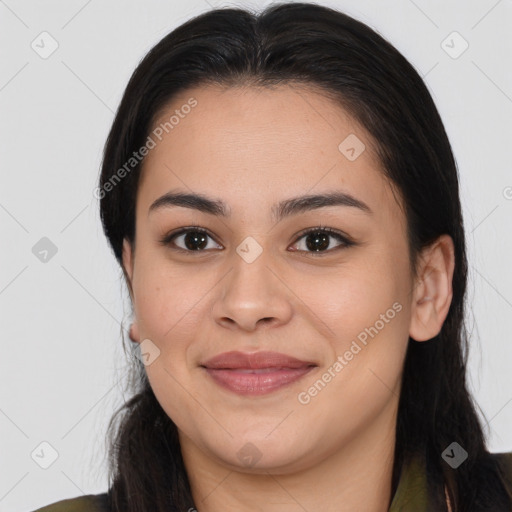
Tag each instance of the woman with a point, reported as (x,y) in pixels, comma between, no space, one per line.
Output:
(282,198)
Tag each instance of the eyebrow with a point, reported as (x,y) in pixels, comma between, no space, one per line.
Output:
(285,208)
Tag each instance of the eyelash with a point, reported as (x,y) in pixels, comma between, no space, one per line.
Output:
(345,241)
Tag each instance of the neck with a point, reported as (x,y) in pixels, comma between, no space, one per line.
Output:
(357,476)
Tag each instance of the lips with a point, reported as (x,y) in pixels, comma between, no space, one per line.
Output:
(256,360)
(256,373)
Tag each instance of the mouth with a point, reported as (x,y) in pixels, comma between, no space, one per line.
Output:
(256,373)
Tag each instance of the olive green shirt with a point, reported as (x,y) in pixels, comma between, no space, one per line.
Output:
(410,496)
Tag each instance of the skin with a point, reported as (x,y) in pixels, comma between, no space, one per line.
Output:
(251,148)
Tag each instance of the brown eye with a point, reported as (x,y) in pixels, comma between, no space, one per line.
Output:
(316,241)
(189,240)
(319,240)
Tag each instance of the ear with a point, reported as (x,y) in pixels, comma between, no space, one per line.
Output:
(127,257)
(128,260)
(134,332)
(432,294)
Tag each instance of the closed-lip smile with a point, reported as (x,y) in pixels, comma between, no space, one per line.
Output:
(255,373)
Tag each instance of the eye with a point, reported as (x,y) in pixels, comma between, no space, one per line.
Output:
(192,238)
(318,240)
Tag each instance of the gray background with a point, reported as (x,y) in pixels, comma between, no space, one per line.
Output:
(60,319)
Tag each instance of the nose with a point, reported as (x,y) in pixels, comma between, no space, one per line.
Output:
(252,295)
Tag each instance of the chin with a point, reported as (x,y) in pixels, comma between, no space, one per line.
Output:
(263,455)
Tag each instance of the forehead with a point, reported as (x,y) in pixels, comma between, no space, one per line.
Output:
(246,141)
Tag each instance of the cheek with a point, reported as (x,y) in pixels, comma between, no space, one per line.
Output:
(362,378)
(167,301)
(168,311)
(365,307)
(352,298)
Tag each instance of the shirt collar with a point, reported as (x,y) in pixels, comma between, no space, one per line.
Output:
(411,492)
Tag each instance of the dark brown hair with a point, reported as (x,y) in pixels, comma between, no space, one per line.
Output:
(321,47)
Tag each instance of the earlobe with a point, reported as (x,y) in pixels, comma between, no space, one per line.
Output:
(432,295)
(134,332)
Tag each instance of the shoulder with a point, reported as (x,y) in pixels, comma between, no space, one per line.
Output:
(87,503)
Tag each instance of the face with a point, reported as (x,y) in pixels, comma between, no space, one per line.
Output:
(325,283)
